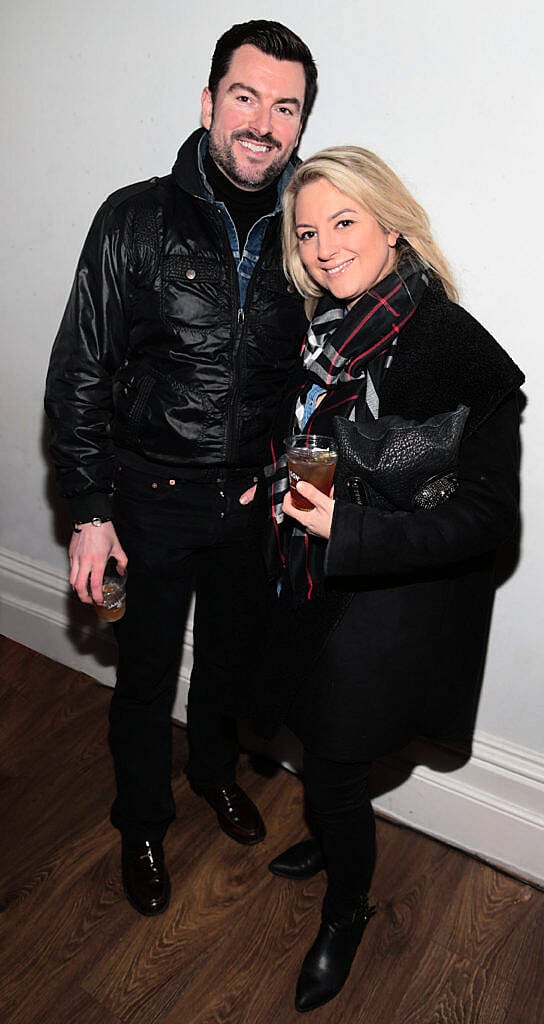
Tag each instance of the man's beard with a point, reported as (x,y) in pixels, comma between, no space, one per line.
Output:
(223,156)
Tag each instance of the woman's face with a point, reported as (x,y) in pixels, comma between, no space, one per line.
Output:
(342,246)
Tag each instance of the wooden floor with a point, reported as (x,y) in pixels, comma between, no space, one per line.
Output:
(453,942)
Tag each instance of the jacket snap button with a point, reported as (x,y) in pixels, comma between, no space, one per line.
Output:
(190,274)
(154,486)
(290,288)
(171,482)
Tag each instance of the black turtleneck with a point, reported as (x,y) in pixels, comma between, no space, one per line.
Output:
(245,208)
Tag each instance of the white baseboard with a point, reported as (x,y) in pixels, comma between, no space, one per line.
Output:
(491,806)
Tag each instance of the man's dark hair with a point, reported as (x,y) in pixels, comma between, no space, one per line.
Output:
(271,38)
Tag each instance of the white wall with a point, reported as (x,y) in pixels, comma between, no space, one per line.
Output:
(96,95)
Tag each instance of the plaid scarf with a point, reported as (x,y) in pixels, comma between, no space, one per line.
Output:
(348,356)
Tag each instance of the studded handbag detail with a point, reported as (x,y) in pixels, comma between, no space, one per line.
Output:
(393,463)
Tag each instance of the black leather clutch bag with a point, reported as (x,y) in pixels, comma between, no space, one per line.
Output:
(393,463)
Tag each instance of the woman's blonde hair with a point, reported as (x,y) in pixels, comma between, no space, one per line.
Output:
(362,176)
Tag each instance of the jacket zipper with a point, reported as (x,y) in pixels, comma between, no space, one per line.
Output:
(238,350)
(238,333)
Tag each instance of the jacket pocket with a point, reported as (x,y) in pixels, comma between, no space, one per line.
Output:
(158,415)
(193,292)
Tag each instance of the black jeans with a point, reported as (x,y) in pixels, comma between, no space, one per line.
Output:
(178,535)
(342,817)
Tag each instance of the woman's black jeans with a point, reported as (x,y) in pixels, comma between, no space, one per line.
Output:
(342,817)
(181,534)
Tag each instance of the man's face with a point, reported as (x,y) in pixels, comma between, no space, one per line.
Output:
(255,121)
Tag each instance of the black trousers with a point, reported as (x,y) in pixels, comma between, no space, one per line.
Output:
(342,817)
(180,535)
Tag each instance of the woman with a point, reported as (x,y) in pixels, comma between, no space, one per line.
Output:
(381,624)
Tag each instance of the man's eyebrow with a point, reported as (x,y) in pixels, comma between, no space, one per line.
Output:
(293,100)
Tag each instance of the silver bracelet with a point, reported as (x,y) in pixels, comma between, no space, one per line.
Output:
(95,521)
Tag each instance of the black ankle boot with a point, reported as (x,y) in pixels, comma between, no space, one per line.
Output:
(328,962)
(303,860)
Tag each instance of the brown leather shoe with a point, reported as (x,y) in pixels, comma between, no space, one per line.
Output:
(145,878)
(236,814)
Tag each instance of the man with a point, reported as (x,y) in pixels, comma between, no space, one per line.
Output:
(164,378)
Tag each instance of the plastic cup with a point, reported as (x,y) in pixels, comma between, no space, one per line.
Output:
(113,593)
(310,457)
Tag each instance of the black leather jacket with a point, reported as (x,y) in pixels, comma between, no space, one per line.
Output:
(154,355)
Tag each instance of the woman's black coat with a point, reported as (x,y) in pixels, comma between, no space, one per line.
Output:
(360,676)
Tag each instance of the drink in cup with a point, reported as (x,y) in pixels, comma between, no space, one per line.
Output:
(310,457)
(113,593)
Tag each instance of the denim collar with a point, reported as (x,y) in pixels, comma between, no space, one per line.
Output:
(246,260)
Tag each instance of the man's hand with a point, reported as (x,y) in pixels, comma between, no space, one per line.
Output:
(88,552)
(317,520)
(247,497)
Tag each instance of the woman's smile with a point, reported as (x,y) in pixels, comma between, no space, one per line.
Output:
(340,268)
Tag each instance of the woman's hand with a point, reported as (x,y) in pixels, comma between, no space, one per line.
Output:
(317,520)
